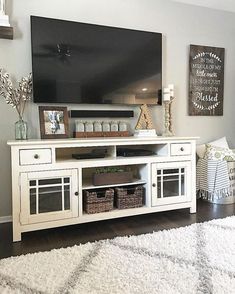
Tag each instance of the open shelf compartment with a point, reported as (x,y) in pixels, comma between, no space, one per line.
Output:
(106,200)
(137,171)
(142,150)
(84,153)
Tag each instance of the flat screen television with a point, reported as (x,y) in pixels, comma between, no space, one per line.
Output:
(75,62)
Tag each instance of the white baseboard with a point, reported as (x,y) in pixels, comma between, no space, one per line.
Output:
(5,219)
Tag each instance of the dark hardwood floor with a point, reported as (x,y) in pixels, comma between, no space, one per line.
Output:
(77,234)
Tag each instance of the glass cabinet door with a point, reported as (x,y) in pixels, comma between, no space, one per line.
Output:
(48,195)
(170,182)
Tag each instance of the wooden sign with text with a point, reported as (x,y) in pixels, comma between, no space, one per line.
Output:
(206,80)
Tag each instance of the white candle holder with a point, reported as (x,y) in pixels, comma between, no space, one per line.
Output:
(168,129)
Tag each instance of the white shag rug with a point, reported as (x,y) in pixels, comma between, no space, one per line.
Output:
(196,259)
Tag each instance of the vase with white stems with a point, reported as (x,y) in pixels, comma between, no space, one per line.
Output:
(17,98)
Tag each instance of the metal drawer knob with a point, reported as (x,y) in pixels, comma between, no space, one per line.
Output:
(182,149)
(36,156)
(76,194)
(154,185)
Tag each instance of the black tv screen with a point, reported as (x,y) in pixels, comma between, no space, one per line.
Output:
(84,63)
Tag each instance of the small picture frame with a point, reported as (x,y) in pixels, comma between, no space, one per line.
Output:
(53,122)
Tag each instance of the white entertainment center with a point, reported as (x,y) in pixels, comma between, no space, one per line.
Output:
(48,184)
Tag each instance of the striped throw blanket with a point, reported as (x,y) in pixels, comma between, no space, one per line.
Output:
(212,179)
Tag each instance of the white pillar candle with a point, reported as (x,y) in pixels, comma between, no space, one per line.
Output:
(166,94)
(2,7)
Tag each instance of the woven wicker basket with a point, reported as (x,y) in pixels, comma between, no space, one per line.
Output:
(129,197)
(98,201)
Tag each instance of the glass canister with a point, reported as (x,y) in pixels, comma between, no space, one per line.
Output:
(122,126)
(106,126)
(89,126)
(114,126)
(97,126)
(79,126)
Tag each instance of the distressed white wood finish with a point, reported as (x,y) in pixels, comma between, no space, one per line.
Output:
(35,156)
(181,149)
(100,141)
(26,218)
(62,165)
(193,207)
(181,197)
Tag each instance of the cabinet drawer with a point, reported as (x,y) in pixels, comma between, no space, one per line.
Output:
(180,149)
(35,156)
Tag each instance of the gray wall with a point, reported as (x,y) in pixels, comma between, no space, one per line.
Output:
(180,24)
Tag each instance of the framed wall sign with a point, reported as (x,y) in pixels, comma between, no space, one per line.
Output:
(53,122)
(206,80)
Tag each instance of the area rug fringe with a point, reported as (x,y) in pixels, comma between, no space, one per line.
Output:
(215,195)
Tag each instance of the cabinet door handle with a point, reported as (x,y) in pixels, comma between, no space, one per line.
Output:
(182,149)
(76,193)
(36,156)
(154,185)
